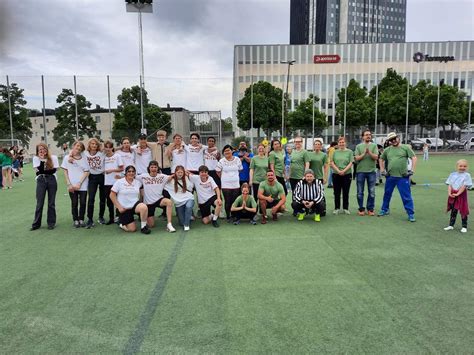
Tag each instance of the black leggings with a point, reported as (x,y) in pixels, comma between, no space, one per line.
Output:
(110,204)
(293,183)
(454,215)
(78,205)
(230,195)
(341,183)
(282,181)
(96,181)
(244,214)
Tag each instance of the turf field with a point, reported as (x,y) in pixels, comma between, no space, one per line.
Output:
(348,284)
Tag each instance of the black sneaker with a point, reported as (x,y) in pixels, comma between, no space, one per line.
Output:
(89,224)
(237,222)
(145,230)
(77,224)
(110,222)
(33,228)
(215,223)
(51,227)
(229,220)
(253,222)
(101,220)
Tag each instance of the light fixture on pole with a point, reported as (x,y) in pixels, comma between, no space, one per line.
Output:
(289,63)
(140,6)
(440,83)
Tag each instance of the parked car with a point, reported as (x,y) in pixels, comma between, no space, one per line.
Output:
(454,144)
(432,142)
(416,144)
(469,143)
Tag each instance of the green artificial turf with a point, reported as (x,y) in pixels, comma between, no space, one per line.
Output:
(348,284)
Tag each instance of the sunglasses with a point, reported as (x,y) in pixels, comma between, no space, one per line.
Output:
(298,141)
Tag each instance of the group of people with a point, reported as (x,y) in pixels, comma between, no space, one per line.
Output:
(139,179)
(11,163)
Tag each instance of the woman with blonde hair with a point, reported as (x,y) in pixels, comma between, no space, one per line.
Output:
(96,160)
(45,166)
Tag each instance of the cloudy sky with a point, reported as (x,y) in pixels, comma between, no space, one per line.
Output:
(188,44)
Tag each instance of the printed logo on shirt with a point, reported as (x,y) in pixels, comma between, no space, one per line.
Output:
(157,180)
(95,162)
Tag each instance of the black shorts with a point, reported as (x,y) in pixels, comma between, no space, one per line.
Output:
(272,204)
(153,206)
(128,216)
(205,208)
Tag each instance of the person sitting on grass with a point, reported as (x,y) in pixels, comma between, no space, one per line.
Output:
(271,195)
(458,183)
(125,196)
(244,206)
(209,195)
(309,197)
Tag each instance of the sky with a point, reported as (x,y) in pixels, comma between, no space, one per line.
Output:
(188,44)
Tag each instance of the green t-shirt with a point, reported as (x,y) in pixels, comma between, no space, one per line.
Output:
(250,202)
(2,156)
(396,159)
(278,159)
(275,191)
(260,167)
(317,162)
(298,160)
(342,158)
(366,164)
(5,160)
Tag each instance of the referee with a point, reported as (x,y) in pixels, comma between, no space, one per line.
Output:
(308,197)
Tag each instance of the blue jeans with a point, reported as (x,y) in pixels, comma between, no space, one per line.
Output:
(361,178)
(403,185)
(330,177)
(185,212)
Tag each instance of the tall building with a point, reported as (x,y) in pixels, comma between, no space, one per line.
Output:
(347,21)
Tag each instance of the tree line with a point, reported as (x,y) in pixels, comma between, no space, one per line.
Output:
(358,106)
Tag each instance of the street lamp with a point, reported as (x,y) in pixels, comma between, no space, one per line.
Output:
(147,7)
(440,83)
(290,63)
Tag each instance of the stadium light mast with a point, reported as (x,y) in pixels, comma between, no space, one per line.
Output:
(140,6)
(289,63)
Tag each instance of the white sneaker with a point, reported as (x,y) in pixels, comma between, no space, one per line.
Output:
(463,230)
(448,228)
(170,228)
(186,228)
(347,212)
(335,212)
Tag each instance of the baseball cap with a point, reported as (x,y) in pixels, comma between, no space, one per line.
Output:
(142,136)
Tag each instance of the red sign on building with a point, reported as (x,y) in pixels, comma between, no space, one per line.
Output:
(327,58)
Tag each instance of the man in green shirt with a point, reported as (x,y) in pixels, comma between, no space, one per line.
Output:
(394,164)
(366,155)
(271,195)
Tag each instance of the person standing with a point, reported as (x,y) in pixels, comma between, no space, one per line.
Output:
(143,154)
(76,173)
(45,165)
(366,154)
(228,169)
(276,160)
(95,159)
(176,152)
(271,195)
(113,168)
(211,158)
(125,196)
(258,169)
(309,197)
(299,158)
(393,163)
(194,153)
(318,162)
(288,150)
(158,152)
(209,196)
(126,154)
(7,161)
(341,165)
(330,152)
(245,158)
(181,191)
(426,152)
(244,206)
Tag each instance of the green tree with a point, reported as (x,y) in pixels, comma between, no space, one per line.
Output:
(236,140)
(266,108)
(128,115)
(22,129)
(227,125)
(65,131)
(453,110)
(391,99)
(302,117)
(359,106)
(421,105)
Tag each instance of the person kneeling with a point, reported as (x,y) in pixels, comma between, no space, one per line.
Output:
(244,206)
(125,196)
(309,197)
(208,194)
(271,195)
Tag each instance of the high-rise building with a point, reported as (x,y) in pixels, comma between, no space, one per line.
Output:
(347,21)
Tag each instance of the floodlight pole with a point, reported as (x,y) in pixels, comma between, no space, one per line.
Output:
(289,63)
(10,110)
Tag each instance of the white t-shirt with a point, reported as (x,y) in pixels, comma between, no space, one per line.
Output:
(205,190)
(142,160)
(179,198)
(128,158)
(152,187)
(37,162)
(457,180)
(96,162)
(210,158)
(112,162)
(194,157)
(178,158)
(75,170)
(127,193)
(230,172)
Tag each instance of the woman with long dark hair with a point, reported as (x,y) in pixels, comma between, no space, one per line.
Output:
(341,163)
(276,159)
(180,189)
(45,165)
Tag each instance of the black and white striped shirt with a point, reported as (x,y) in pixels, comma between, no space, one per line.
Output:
(306,192)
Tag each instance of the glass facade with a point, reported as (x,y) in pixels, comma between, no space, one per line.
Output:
(367,63)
